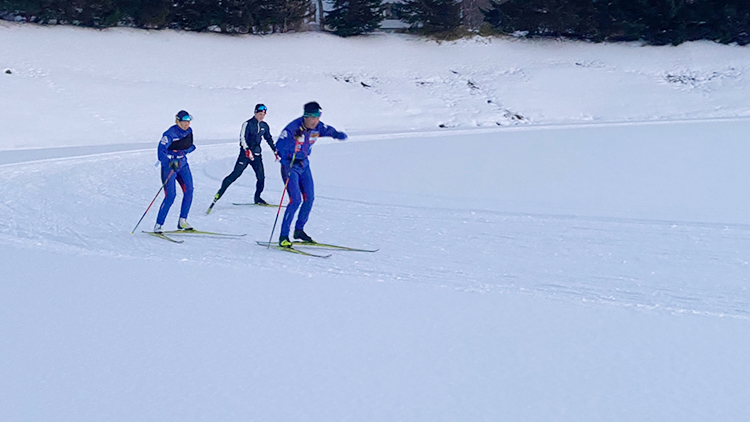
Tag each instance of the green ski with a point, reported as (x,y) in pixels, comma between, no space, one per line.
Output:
(257,205)
(292,250)
(201,232)
(329,246)
(162,236)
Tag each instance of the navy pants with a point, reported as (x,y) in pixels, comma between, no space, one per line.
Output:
(239,167)
(301,190)
(185,179)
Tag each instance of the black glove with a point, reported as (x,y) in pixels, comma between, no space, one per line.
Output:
(174,164)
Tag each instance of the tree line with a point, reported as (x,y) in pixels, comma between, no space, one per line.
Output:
(653,21)
(230,16)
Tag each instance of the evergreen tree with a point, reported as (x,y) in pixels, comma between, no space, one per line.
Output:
(145,13)
(283,15)
(95,13)
(239,15)
(40,11)
(432,16)
(573,18)
(355,17)
(196,15)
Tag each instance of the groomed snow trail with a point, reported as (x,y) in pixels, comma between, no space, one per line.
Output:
(88,205)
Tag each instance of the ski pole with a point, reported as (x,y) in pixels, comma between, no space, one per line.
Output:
(152,201)
(278,211)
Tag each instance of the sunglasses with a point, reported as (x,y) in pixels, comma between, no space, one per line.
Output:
(261,109)
(186,118)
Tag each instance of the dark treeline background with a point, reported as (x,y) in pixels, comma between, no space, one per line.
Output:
(653,21)
(229,16)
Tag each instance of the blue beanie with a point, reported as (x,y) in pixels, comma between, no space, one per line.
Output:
(184,116)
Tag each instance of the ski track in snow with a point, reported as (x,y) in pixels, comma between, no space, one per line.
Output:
(655,266)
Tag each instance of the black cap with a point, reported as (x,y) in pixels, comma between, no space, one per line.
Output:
(312,109)
(184,116)
(260,107)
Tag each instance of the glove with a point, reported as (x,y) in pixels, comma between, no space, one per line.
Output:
(249,155)
(276,154)
(174,164)
(341,136)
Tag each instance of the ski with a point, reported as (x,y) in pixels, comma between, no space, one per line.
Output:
(162,236)
(329,246)
(205,233)
(257,205)
(210,207)
(292,250)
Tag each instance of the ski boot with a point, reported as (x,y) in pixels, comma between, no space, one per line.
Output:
(184,225)
(300,234)
(210,207)
(284,242)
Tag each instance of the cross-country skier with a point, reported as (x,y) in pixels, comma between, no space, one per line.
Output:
(294,146)
(175,143)
(253,131)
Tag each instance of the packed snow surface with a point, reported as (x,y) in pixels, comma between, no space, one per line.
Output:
(563,231)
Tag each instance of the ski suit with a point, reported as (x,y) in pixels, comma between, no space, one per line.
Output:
(251,135)
(174,144)
(294,146)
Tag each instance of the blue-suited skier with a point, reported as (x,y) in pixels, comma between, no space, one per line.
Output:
(294,146)
(175,143)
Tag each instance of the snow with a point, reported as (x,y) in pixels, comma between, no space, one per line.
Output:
(571,245)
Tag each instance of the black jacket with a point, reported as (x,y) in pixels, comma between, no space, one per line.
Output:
(251,134)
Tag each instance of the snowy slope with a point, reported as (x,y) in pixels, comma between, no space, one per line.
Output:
(536,271)
(119,85)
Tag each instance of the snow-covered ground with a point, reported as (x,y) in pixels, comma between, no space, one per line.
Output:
(572,244)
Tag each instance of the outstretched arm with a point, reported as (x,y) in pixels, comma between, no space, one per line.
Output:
(332,132)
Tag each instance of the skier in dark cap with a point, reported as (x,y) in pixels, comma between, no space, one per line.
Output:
(294,146)
(251,135)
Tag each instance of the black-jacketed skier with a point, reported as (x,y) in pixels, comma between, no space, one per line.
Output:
(252,133)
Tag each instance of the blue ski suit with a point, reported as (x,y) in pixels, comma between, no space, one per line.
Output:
(174,144)
(294,146)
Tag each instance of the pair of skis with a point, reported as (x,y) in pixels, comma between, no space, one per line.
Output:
(210,207)
(167,235)
(328,246)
